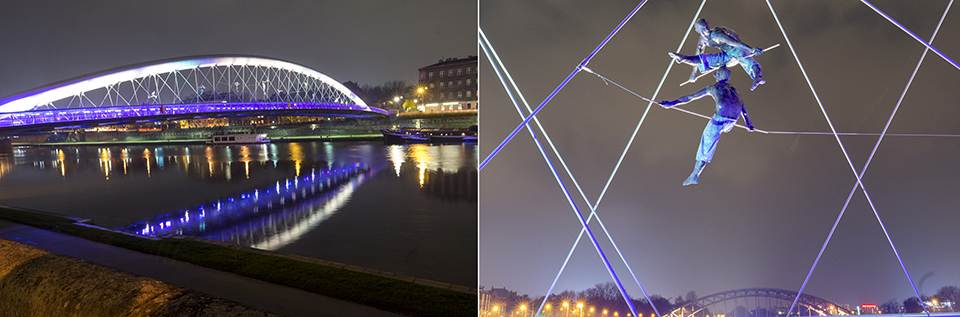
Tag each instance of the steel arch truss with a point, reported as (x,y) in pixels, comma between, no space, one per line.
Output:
(813,303)
(190,81)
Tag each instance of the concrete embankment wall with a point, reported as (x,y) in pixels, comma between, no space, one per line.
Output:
(35,282)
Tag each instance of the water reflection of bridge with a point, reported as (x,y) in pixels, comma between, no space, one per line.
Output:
(267,217)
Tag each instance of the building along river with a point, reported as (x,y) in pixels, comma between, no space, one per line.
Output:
(409,209)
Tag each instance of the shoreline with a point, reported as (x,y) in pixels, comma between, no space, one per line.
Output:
(379,289)
(331,137)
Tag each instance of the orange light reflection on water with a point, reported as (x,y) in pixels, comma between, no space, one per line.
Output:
(60,159)
(146,156)
(105,163)
(421,156)
(296,155)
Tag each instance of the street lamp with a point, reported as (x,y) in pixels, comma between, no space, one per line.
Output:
(580,307)
(566,308)
(523,310)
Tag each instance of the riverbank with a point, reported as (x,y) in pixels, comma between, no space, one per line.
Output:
(36,282)
(399,294)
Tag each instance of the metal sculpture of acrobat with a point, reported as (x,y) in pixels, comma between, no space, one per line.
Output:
(728,111)
(733,52)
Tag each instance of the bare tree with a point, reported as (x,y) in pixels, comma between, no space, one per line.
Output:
(949,294)
(892,306)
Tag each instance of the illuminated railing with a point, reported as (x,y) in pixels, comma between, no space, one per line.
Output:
(118,113)
(253,207)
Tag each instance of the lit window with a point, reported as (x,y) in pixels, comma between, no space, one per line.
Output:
(468,70)
(441,85)
(441,74)
(459,94)
(468,93)
(422,75)
(431,86)
(431,75)
(450,83)
(450,73)
(441,96)
(459,71)
(460,83)
(468,82)
(450,95)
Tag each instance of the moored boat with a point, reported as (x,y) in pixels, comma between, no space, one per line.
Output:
(431,135)
(239,139)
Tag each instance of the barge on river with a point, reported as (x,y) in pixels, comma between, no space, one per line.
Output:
(429,135)
(239,139)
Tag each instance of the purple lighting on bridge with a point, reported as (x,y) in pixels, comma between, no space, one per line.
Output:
(27,118)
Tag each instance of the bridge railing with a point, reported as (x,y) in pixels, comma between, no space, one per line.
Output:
(67,116)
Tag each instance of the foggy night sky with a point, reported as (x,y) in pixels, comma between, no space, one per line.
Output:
(369,42)
(766,203)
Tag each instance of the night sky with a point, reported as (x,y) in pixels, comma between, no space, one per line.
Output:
(369,42)
(766,203)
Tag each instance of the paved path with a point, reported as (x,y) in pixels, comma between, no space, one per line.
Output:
(251,292)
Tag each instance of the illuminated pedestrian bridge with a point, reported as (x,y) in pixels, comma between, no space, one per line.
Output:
(183,88)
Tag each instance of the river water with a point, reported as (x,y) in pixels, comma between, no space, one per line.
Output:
(410,209)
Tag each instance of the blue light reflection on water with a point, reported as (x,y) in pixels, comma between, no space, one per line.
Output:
(252,218)
(417,217)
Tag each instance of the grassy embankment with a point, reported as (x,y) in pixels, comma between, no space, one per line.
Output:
(371,290)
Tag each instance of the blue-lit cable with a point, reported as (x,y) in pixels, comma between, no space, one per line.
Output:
(486,43)
(622,290)
(483,44)
(934,49)
(833,229)
(557,90)
(537,141)
(839,142)
(644,116)
(870,158)
(569,199)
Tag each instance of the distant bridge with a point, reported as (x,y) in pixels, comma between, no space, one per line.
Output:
(715,304)
(180,88)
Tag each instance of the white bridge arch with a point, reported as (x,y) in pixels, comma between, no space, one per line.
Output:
(195,84)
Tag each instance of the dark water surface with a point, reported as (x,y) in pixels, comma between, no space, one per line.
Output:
(410,209)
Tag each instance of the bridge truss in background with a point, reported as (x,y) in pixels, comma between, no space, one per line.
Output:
(707,305)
